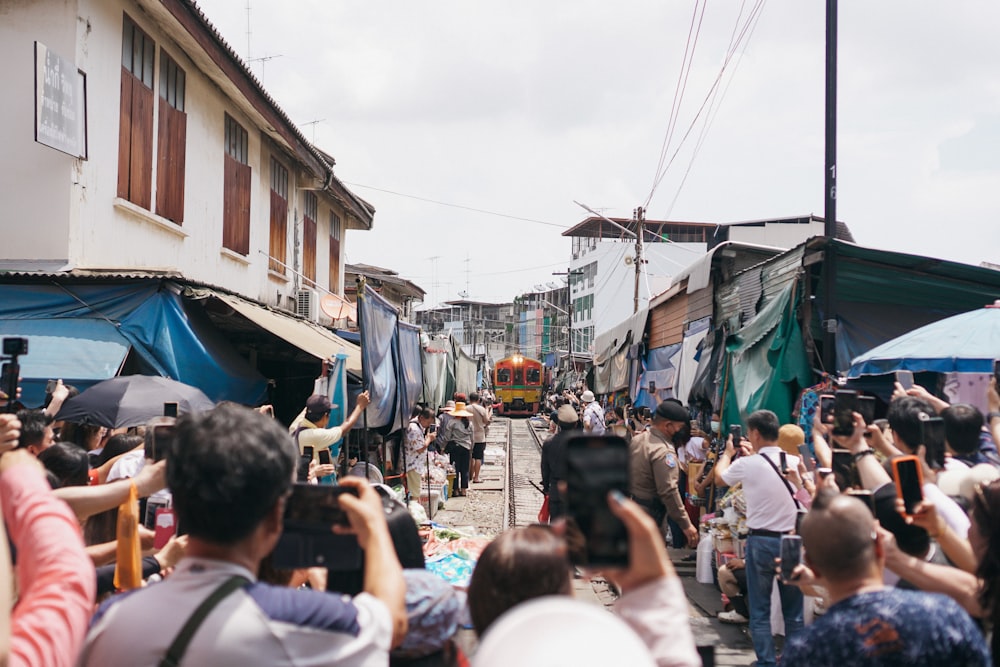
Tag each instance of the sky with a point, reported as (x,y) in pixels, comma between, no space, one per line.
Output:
(522,107)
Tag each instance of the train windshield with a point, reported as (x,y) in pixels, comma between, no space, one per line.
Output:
(503,376)
(534,376)
(518,375)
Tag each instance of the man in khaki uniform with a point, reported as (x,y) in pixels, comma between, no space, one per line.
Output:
(654,470)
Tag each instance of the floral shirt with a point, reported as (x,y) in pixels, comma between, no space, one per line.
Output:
(415,459)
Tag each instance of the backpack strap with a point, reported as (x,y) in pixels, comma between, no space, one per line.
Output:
(180,644)
(788,486)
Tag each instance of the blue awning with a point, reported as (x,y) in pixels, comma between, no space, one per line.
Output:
(80,352)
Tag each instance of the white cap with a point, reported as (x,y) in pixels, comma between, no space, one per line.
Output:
(550,630)
(587,396)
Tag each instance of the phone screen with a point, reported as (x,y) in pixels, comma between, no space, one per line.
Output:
(826,404)
(307,540)
(906,470)
(905,379)
(791,555)
(737,432)
(932,437)
(595,466)
(843,468)
(784,462)
(865,496)
(169,409)
(432,428)
(307,450)
(807,457)
(866,406)
(50,386)
(316,507)
(996,373)
(324,456)
(158,441)
(845,405)
(303,471)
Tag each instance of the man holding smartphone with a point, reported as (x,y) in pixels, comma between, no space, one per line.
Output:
(771,513)
(654,470)
(310,428)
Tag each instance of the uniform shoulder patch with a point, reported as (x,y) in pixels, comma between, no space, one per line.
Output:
(671,460)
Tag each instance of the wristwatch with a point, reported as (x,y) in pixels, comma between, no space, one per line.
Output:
(991,416)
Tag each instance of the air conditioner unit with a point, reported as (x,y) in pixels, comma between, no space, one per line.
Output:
(307,304)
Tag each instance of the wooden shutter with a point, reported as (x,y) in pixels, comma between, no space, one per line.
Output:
(125,133)
(236,206)
(334,265)
(309,249)
(170,163)
(278,248)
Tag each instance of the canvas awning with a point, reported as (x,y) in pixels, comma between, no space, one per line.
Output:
(306,336)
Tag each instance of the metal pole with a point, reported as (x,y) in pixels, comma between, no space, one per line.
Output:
(829,324)
(637,217)
(365,371)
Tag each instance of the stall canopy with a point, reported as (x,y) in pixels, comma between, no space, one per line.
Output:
(965,343)
(82,330)
(377,319)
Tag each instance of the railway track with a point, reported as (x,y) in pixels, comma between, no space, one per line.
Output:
(524,477)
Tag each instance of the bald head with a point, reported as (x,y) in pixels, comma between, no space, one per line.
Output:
(838,536)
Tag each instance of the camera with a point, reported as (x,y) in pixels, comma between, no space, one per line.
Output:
(15,347)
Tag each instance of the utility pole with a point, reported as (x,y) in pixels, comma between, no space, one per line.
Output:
(830,196)
(638,217)
(569,273)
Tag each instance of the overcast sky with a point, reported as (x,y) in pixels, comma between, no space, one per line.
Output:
(522,106)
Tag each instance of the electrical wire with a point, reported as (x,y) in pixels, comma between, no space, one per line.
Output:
(460,206)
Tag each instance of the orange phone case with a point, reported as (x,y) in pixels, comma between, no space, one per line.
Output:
(895,474)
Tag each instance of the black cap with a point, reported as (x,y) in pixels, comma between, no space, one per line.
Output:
(672,410)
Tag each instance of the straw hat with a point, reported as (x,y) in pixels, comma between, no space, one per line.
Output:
(587,397)
(790,437)
(460,410)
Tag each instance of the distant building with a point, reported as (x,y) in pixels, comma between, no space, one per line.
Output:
(481,328)
(395,289)
(543,325)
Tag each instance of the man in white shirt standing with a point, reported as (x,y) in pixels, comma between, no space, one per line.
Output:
(771,513)
(312,429)
(480,423)
(593,414)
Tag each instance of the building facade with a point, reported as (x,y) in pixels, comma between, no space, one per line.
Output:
(185,165)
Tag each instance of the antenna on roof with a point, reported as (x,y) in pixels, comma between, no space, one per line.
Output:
(314,123)
(263,61)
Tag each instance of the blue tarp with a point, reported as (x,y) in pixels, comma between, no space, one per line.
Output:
(658,368)
(411,366)
(77,331)
(377,320)
(966,343)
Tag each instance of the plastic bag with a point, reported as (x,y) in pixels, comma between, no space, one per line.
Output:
(543,513)
(128,562)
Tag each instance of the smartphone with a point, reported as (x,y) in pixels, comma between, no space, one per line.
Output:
(595,466)
(307,539)
(158,441)
(826,404)
(302,475)
(169,409)
(909,480)
(165,527)
(807,457)
(845,404)
(50,386)
(932,437)
(865,496)
(652,387)
(996,372)
(307,450)
(736,431)
(866,406)
(883,424)
(783,458)
(791,555)
(324,456)
(843,468)
(905,379)
(432,428)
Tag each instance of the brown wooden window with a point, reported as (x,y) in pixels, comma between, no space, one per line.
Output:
(171,141)
(334,252)
(309,239)
(278,248)
(135,130)
(236,190)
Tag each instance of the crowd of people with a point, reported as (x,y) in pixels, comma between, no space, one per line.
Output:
(886,579)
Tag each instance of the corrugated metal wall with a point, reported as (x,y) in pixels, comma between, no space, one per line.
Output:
(778,272)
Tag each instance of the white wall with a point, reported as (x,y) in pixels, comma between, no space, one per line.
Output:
(777,235)
(75,213)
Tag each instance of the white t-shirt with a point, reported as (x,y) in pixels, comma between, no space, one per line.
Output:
(769,503)
(593,419)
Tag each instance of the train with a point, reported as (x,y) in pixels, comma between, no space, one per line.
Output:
(518,383)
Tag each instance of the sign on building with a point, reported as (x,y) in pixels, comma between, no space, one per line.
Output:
(60,103)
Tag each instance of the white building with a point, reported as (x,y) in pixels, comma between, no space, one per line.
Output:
(177,161)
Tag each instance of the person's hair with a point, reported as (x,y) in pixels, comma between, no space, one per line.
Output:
(570,426)
(473,397)
(986,515)
(521,564)
(415,412)
(117,445)
(425,413)
(963,424)
(68,463)
(82,434)
(904,419)
(765,423)
(227,469)
(837,536)
(33,425)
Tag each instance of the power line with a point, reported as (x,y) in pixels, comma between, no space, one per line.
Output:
(460,206)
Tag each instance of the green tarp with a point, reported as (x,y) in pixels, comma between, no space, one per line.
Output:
(766,363)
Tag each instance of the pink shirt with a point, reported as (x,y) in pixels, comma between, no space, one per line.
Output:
(55,575)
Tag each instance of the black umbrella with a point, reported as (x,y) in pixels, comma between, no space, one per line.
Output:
(132,400)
